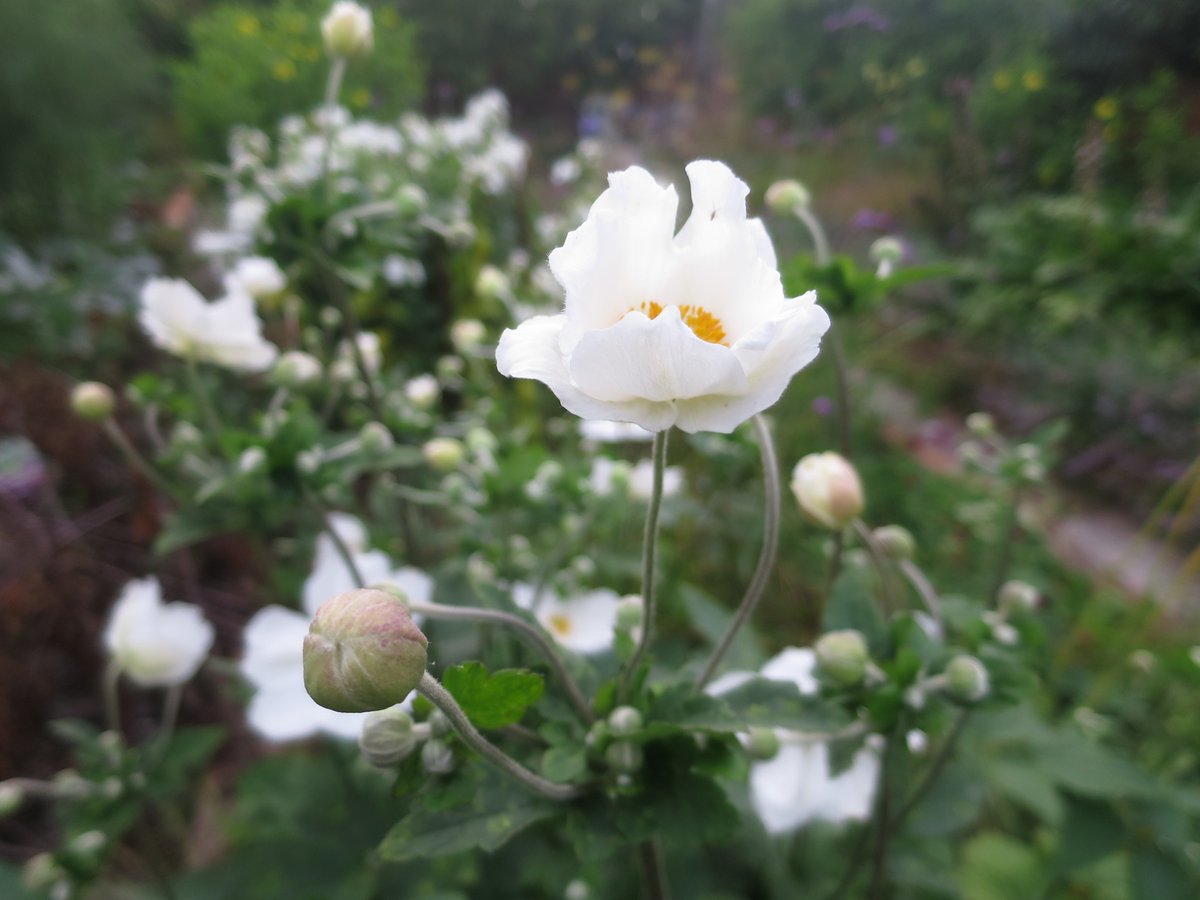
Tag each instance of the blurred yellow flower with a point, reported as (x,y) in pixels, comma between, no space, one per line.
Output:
(585,33)
(248,25)
(915,67)
(295,23)
(309,53)
(284,70)
(1002,80)
(1033,80)
(360,97)
(387,18)
(1105,109)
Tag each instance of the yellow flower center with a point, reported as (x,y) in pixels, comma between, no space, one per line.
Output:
(704,324)
(561,624)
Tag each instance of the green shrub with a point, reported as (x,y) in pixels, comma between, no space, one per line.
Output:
(252,66)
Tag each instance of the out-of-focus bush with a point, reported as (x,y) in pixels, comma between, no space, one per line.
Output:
(75,83)
(545,51)
(251,65)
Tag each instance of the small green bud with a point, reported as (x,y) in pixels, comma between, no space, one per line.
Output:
(577,890)
(842,657)
(437,757)
(363,652)
(93,401)
(624,721)
(886,249)
(411,201)
(787,196)
(967,679)
(387,737)
(762,743)
(11,798)
(630,613)
(296,369)
(41,872)
(981,424)
(1017,595)
(896,541)
(598,734)
(375,439)
(444,454)
(439,724)
(624,757)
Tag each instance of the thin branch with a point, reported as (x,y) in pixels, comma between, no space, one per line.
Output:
(649,555)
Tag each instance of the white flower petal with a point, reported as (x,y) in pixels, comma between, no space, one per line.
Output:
(795,664)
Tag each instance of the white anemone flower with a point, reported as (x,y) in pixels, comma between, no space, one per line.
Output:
(585,624)
(156,644)
(226,332)
(273,655)
(690,330)
(797,786)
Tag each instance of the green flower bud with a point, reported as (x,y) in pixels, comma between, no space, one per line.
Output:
(967,679)
(842,657)
(93,401)
(577,890)
(897,542)
(762,743)
(828,489)
(598,734)
(11,798)
(630,613)
(787,196)
(886,249)
(363,652)
(387,737)
(437,757)
(375,439)
(624,757)
(981,424)
(439,724)
(624,721)
(444,454)
(42,872)
(1017,595)
(411,201)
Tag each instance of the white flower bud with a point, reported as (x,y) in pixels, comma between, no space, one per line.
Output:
(387,737)
(41,872)
(467,335)
(787,196)
(439,724)
(444,454)
(1017,595)
(330,316)
(967,679)
(11,798)
(296,369)
(93,401)
(828,489)
(491,283)
(577,890)
(625,757)
(251,460)
(886,249)
(624,721)
(897,542)
(630,613)
(422,391)
(842,656)
(981,424)
(348,30)
(363,652)
(437,757)
(917,741)
(375,439)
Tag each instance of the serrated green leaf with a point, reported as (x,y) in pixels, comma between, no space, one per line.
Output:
(494,814)
(493,700)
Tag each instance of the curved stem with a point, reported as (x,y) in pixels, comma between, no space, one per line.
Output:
(820,241)
(431,690)
(835,567)
(880,560)
(923,588)
(135,459)
(766,558)
(649,555)
(338,543)
(841,373)
(532,632)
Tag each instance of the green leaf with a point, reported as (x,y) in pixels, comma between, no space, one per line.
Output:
(1022,782)
(496,812)
(1090,832)
(998,867)
(712,620)
(852,605)
(1154,874)
(564,762)
(759,702)
(495,700)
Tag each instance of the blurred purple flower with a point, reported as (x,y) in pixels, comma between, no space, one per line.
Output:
(858,15)
(822,406)
(888,135)
(872,220)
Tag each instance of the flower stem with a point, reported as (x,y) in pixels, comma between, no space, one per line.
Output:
(654,870)
(923,588)
(112,696)
(431,690)
(766,557)
(1007,539)
(880,561)
(338,543)
(817,231)
(333,87)
(532,632)
(207,411)
(931,775)
(135,459)
(649,555)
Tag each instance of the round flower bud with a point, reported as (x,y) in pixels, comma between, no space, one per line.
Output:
(411,200)
(93,401)
(630,613)
(387,737)
(787,196)
(491,282)
(348,30)
(330,316)
(444,454)
(981,424)
(897,542)
(917,741)
(363,652)
(1015,595)
(439,724)
(11,798)
(375,439)
(577,890)
(296,369)
(467,335)
(624,721)
(886,249)
(828,490)
(437,757)
(598,734)
(625,757)
(422,391)
(762,743)
(967,679)
(842,656)
(41,872)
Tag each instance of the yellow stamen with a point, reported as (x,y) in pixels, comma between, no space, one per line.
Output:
(704,324)
(560,623)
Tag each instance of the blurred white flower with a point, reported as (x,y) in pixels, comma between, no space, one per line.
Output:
(400,270)
(258,276)
(641,480)
(584,624)
(691,330)
(606,431)
(272,659)
(797,786)
(608,474)
(565,170)
(156,644)
(244,216)
(422,391)
(226,332)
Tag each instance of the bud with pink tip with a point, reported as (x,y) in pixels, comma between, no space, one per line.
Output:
(828,489)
